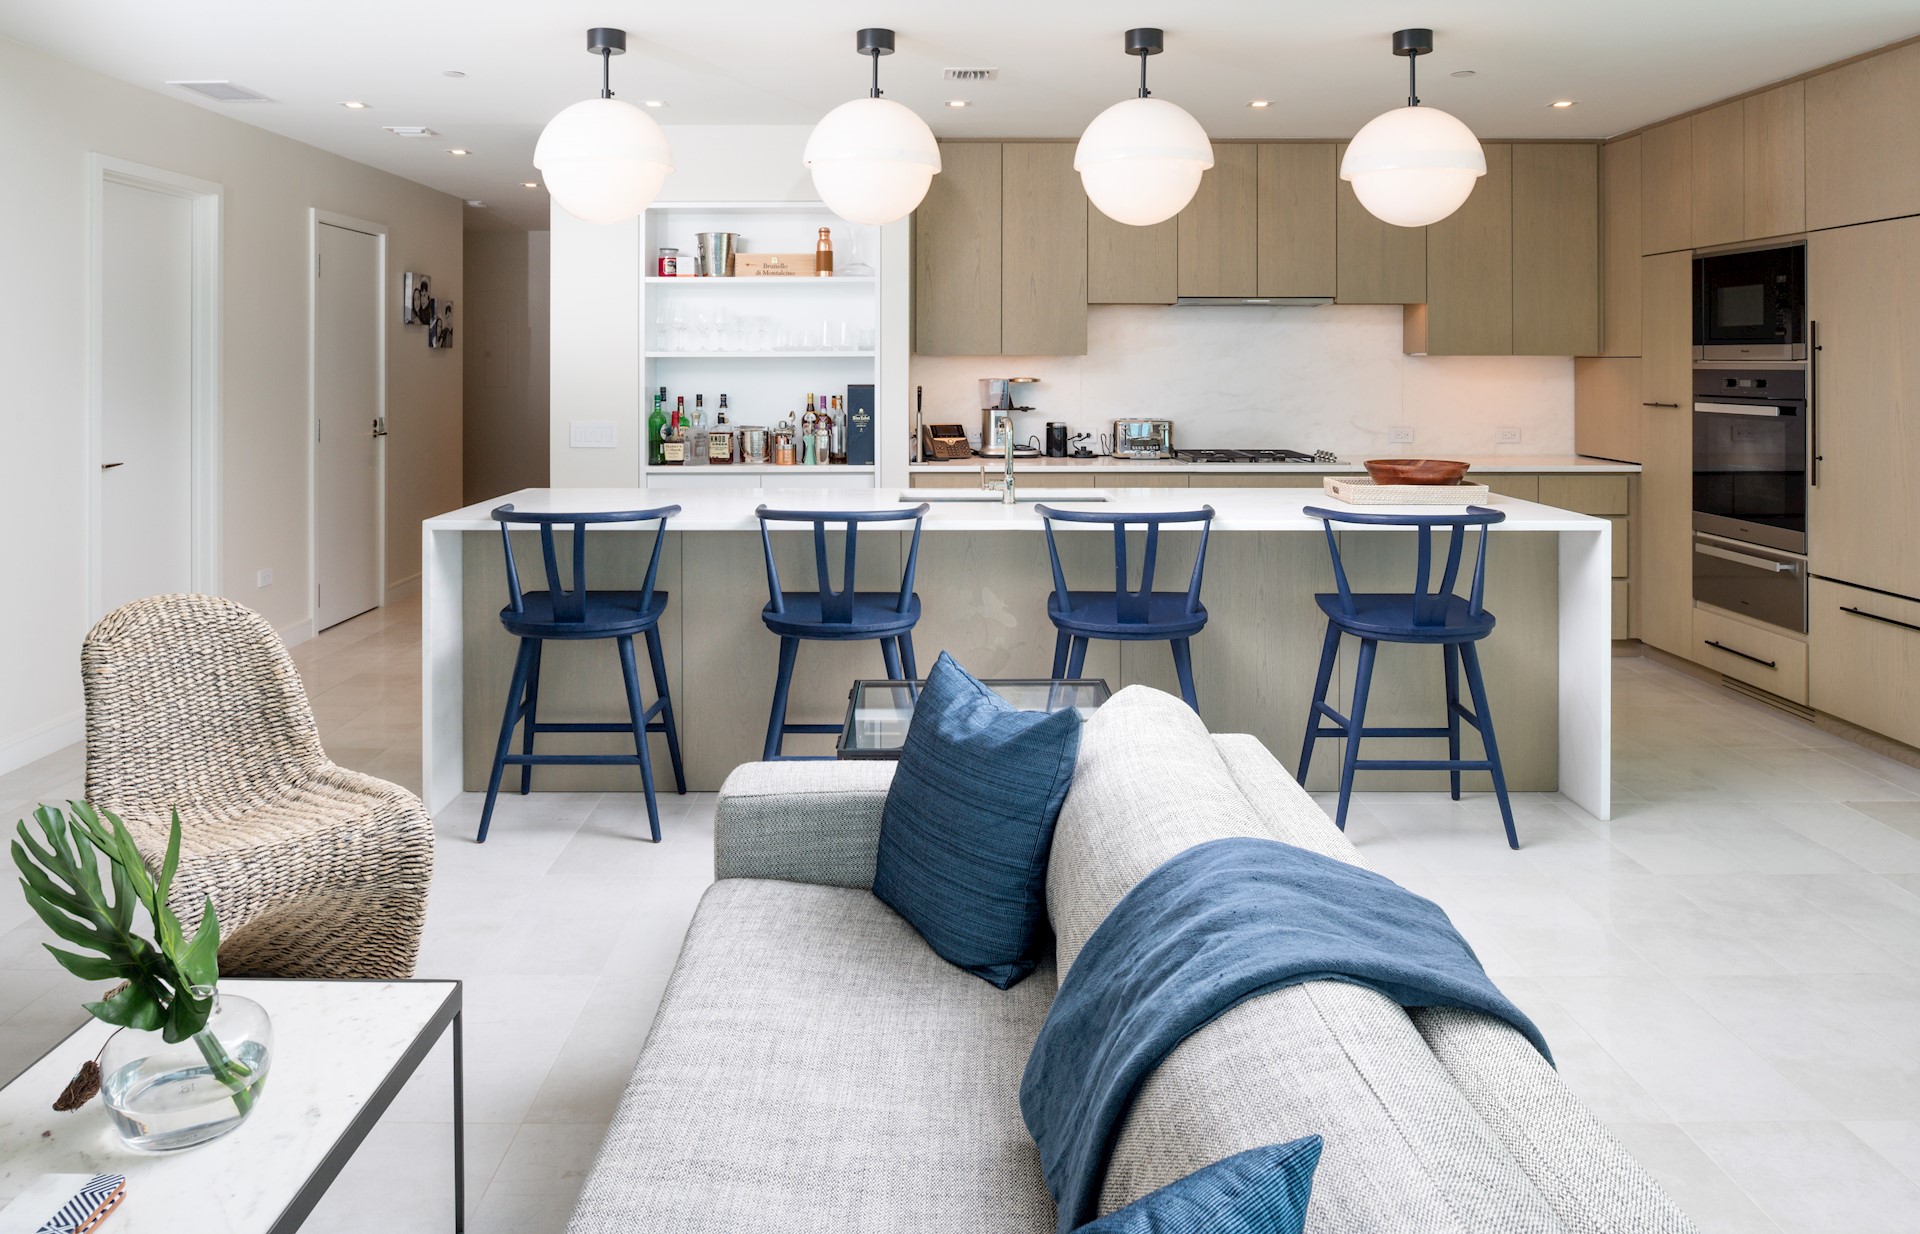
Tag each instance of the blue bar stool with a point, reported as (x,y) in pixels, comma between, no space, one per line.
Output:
(1144,615)
(839,616)
(1436,616)
(577,613)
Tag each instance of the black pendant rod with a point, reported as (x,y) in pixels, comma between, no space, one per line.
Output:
(606,43)
(1412,44)
(875,42)
(1145,41)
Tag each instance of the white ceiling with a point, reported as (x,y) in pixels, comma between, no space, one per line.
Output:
(1326,67)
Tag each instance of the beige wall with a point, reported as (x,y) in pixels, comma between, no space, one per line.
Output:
(52,115)
(505,390)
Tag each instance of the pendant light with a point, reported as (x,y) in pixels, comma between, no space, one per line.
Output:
(1413,165)
(872,159)
(603,160)
(1140,160)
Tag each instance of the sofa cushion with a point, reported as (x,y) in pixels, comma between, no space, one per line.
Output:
(969,820)
(814,1066)
(1260,1191)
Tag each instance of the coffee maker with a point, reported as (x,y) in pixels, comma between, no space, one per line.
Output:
(1001,396)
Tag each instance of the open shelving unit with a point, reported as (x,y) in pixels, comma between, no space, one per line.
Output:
(774,325)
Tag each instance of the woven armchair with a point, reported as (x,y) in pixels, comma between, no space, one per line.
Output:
(316,871)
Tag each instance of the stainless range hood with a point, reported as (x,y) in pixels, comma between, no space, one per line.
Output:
(1257,301)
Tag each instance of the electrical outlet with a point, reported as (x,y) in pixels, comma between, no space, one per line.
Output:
(263,579)
(591,434)
(1507,436)
(1401,434)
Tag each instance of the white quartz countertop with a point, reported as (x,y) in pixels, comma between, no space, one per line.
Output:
(732,509)
(1502,464)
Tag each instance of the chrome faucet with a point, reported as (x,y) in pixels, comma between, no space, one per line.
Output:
(1003,429)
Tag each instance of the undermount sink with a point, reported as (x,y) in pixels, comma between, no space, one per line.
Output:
(982,495)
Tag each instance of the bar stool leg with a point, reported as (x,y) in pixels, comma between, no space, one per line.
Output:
(890,655)
(1076,657)
(1452,651)
(1471,655)
(533,712)
(630,669)
(1183,666)
(1356,725)
(907,665)
(1329,651)
(659,662)
(515,694)
(777,719)
(1061,642)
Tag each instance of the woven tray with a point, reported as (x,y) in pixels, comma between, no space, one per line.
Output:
(1361,491)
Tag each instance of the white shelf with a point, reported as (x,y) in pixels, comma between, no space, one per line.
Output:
(761,355)
(773,280)
(759,469)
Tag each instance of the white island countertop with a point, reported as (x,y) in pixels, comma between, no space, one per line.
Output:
(732,509)
(1490,464)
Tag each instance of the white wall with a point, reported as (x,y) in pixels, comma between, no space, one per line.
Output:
(55,114)
(1330,378)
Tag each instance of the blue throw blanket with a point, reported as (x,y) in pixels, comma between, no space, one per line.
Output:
(1221,923)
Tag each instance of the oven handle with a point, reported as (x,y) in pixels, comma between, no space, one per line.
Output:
(1745,559)
(1742,409)
(1813,403)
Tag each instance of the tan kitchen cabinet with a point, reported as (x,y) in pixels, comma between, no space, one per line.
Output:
(1663,541)
(1775,167)
(1294,215)
(1607,415)
(1556,249)
(1863,653)
(1620,247)
(1469,306)
(1219,229)
(1131,265)
(1762,656)
(1376,262)
(1719,177)
(1043,252)
(1666,187)
(956,254)
(1863,145)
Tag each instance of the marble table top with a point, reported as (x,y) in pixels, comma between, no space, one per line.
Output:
(334,1044)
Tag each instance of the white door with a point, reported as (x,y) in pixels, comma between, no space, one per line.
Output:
(346,400)
(146,394)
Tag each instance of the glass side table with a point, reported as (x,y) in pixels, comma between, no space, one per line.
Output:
(878,711)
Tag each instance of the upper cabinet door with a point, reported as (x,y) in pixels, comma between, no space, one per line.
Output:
(1295,213)
(1719,177)
(956,255)
(1469,309)
(1043,252)
(1131,265)
(1776,168)
(1863,142)
(1556,250)
(1620,246)
(1375,262)
(1666,187)
(1218,231)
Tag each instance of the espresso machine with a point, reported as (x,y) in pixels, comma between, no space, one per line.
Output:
(1000,396)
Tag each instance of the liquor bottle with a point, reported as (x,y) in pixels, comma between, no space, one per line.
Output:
(657,426)
(673,447)
(823,255)
(697,441)
(837,450)
(808,422)
(720,441)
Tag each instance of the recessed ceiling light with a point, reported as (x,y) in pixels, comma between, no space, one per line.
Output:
(1259,102)
(653,102)
(475,201)
(529,184)
(354,105)
(1462,73)
(1563,104)
(959,102)
(459,153)
(409,130)
(452,73)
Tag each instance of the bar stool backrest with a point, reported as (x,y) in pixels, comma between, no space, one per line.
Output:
(1429,603)
(569,604)
(1131,606)
(837,606)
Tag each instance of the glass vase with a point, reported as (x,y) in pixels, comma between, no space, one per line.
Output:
(171,1095)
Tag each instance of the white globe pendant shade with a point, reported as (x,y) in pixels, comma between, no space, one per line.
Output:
(872,160)
(603,160)
(1140,160)
(1413,165)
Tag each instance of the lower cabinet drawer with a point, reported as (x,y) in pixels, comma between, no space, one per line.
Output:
(1866,657)
(1771,659)
(1622,609)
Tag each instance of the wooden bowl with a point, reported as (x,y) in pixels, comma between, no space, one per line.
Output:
(1415,470)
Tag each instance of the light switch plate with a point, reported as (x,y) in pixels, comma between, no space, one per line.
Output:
(1400,434)
(264,578)
(1507,436)
(591,434)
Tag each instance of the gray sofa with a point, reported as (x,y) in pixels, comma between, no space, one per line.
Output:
(815,1067)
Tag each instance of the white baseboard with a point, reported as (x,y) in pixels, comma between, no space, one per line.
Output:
(405,589)
(17,752)
(295,633)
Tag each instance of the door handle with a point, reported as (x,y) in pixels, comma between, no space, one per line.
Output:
(110,466)
(1813,403)
(1718,646)
(380,426)
(1892,621)
(1673,405)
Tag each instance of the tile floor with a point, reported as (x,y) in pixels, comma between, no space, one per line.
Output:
(1729,971)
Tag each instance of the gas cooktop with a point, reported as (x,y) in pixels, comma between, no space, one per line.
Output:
(1255,456)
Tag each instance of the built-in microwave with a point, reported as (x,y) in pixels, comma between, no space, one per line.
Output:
(1751,304)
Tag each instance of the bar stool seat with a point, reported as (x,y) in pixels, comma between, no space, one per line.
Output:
(1096,614)
(1390,617)
(871,614)
(605,614)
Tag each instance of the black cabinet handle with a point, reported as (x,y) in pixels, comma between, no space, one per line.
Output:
(1813,404)
(1891,621)
(1743,655)
(1674,405)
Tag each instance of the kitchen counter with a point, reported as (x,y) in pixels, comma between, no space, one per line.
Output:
(983,596)
(1502,464)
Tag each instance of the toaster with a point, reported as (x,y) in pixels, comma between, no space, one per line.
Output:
(1142,439)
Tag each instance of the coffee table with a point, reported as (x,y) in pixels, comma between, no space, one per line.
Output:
(342,1051)
(879,710)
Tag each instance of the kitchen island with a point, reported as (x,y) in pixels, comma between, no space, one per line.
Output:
(983,579)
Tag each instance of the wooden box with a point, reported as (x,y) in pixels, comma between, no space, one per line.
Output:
(774,265)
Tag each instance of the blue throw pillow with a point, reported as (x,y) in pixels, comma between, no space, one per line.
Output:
(1260,1191)
(969,820)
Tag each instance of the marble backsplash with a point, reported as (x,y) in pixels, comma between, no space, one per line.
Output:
(1331,378)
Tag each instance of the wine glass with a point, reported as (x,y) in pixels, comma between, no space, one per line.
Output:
(680,341)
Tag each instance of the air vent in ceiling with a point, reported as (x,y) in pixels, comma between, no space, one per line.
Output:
(971,74)
(223,91)
(409,130)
